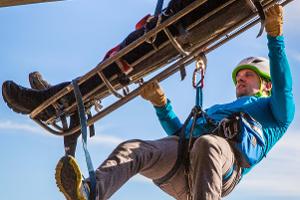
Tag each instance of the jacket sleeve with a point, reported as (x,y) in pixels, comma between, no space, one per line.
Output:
(168,119)
(282,103)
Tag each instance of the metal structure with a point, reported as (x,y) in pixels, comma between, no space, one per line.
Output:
(207,33)
(8,3)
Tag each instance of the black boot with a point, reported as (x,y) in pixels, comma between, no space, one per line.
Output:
(37,82)
(24,100)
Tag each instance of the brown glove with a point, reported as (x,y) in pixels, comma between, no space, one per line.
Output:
(153,93)
(274,20)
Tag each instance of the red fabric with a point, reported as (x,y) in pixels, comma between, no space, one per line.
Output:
(123,65)
(112,52)
(142,22)
(126,67)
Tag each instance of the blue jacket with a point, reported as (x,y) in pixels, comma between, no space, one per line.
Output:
(275,113)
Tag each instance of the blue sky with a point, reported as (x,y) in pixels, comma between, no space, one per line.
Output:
(64,40)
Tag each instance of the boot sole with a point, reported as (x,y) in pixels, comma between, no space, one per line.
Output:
(69,178)
(14,108)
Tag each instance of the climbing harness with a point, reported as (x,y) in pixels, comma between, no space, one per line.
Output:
(245,135)
(185,143)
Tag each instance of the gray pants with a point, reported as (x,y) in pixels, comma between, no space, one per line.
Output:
(211,158)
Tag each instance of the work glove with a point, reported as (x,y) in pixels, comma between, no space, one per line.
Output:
(153,93)
(274,20)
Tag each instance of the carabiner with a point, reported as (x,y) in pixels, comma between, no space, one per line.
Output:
(200,69)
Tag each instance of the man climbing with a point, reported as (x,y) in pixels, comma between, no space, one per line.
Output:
(214,165)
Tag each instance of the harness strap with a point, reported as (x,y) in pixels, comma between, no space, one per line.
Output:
(157,17)
(180,152)
(257,6)
(182,72)
(229,173)
(91,128)
(262,16)
(83,123)
(159,6)
(184,145)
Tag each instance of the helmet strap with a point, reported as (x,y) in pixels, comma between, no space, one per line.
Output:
(260,93)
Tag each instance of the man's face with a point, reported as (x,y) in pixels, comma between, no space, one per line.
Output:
(247,83)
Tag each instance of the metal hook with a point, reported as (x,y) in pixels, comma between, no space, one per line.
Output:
(200,69)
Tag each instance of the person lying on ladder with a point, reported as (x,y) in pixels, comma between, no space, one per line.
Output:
(224,143)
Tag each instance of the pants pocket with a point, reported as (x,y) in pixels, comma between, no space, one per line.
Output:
(176,186)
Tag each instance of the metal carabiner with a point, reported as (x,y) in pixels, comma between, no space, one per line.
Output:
(200,69)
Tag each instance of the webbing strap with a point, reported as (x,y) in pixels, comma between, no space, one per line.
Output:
(228,174)
(83,123)
(181,153)
(159,6)
(199,96)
